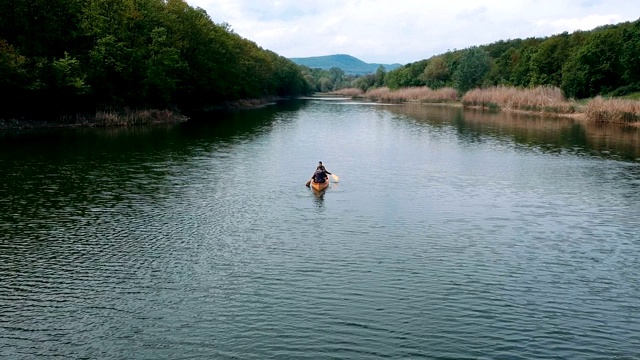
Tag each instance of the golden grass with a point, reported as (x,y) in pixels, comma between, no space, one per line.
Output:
(542,98)
(351,92)
(126,117)
(613,110)
(413,94)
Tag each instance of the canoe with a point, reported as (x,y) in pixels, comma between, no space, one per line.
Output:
(320,186)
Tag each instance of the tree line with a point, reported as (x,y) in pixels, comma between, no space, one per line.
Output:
(75,55)
(321,80)
(603,61)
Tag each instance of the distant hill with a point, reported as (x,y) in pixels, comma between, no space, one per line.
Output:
(349,64)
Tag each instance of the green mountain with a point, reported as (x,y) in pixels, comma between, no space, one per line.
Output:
(349,64)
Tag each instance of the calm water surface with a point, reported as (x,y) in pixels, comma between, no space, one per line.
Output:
(451,235)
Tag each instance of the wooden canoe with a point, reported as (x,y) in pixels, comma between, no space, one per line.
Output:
(320,186)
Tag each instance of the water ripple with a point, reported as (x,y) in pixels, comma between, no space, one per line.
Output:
(436,244)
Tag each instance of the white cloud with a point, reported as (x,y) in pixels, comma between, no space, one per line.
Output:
(403,31)
(573,24)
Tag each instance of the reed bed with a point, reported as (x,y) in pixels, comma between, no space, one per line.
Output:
(613,110)
(350,92)
(422,94)
(542,98)
(125,117)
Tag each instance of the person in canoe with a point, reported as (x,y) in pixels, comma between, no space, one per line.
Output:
(320,176)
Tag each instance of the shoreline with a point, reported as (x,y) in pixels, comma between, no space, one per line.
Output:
(100,119)
(578,116)
(125,117)
(543,101)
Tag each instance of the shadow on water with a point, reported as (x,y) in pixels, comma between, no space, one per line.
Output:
(318,196)
(47,170)
(239,125)
(220,127)
(545,134)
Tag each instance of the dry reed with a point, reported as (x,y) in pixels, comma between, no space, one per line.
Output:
(126,117)
(541,98)
(351,92)
(613,110)
(413,94)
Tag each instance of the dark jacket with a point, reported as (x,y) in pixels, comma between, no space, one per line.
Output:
(320,175)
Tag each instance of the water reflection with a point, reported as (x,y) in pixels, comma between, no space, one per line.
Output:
(318,196)
(448,232)
(47,172)
(547,134)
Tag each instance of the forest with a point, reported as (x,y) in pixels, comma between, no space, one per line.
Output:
(69,56)
(584,64)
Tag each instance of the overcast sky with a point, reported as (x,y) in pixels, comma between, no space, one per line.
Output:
(404,31)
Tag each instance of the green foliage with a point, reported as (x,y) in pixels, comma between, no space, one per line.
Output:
(13,71)
(474,65)
(406,76)
(379,76)
(436,74)
(630,53)
(164,68)
(595,67)
(318,80)
(131,53)
(605,60)
(68,77)
(547,61)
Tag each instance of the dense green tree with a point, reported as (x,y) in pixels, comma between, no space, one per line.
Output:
(474,65)
(602,61)
(436,74)
(131,53)
(364,82)
(405,76)
(13,68)
(164,69)
(595,68)
(379,76)
(547,61)
(326,84)
(630,56)
(68,79)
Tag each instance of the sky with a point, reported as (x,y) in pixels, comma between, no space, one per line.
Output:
(405,31)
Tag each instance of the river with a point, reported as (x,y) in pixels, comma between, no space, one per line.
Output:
(452,234)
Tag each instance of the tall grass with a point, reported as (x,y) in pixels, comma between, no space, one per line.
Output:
(351,92)
(613,110)
(125,117)
(545,99)
(413,94)
(541,98)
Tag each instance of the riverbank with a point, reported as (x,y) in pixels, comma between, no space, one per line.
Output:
(126,117)
(542,100)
